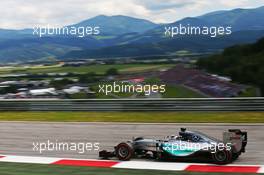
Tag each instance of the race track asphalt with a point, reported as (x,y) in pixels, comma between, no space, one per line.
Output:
(17,138)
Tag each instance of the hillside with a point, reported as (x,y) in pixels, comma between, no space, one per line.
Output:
(119,24)
(247,27)
(239,19)
(124,36)
(153,46)
(243,63)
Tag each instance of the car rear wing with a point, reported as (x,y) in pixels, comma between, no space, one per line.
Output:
(237,138)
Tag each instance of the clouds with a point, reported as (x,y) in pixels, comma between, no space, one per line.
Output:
(28,13)
(21,14)
(164,5)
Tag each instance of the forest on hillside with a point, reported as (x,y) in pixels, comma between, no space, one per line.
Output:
(243,63)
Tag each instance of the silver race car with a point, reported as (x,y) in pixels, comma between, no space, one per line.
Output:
(187,146)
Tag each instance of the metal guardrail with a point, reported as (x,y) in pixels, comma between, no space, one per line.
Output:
(188,104)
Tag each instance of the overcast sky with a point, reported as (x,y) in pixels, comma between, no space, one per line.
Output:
(28,13)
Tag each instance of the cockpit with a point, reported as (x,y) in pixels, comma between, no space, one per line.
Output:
(192,136)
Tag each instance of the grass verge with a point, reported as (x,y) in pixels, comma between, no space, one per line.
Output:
(35,169)
(150,117)
(99,69)
(180,92)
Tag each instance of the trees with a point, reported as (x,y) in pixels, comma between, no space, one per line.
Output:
(111,71)
(9,89)
(243,63)
(60,84)
(88,78)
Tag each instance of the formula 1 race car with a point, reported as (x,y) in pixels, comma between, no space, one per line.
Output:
(187,146)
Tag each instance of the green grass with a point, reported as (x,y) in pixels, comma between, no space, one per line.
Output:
(99,69)
(175,91)
(151,117)
(111,95)
(80,95)
(152,80)
(35,169)
(6,70)
(249,92)
(180,92)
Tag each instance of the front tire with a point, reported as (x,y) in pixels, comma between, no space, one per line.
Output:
(124,151)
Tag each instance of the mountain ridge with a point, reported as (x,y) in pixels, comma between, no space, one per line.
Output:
(118,24)
(129,36)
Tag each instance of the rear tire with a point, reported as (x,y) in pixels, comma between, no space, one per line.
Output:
(124,151)
(235,156)
(222,157)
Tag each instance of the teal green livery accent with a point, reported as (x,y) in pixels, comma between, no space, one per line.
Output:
(177,150)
